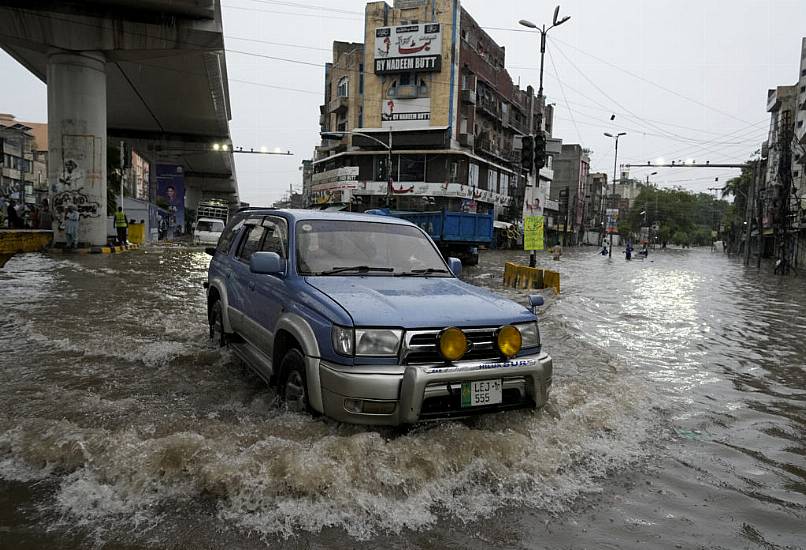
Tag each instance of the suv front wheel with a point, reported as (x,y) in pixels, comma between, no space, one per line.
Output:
(294,385)
(216,320)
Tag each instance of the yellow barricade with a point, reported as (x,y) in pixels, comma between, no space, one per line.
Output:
(551,279)
(136,233)
(525,277)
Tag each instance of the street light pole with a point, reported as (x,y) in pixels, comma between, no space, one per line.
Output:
(543,31)
(615,168)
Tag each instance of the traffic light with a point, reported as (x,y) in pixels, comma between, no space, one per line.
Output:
(540,150)
(528,153)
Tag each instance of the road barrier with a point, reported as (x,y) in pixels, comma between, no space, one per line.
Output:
(525,277)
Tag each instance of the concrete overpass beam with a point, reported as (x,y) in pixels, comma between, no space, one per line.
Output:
(77,141)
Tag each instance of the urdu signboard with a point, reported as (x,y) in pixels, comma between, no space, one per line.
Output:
(408,48)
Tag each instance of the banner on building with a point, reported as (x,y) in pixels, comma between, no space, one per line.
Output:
(408,48)
(406,114)
(533,233)
(141,178)
(171,196)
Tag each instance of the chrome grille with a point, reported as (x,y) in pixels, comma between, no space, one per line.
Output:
(421,346)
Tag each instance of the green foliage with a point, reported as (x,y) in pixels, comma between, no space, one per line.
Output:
(684,218)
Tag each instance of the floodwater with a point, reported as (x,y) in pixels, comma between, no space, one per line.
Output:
(677,420)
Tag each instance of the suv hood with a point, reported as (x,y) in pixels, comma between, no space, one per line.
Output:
(418,302)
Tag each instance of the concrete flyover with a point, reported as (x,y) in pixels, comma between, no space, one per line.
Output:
(150,72)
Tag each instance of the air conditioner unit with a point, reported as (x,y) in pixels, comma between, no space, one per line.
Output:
(469,97)
(466,140)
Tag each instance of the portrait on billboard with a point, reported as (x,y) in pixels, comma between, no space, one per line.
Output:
(171,197)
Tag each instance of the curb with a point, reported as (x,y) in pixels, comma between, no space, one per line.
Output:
(96,250)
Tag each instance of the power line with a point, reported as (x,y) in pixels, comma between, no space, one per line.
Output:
(297,14)
(557,74)
(300,46)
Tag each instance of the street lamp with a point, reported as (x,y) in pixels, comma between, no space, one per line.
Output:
(542,30)
(615,167)
(388,147)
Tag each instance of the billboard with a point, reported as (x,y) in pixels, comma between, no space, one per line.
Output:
(533,233)
(408,48)
(171,196)
(406,114)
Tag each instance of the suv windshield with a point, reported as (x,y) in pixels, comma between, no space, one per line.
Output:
(330,247)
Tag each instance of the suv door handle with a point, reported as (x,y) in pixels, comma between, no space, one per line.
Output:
(251,285)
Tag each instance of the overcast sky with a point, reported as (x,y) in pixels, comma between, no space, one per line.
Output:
(685,78)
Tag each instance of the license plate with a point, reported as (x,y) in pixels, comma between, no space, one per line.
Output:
(481,392)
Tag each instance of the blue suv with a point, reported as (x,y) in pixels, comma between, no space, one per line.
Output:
(360,318)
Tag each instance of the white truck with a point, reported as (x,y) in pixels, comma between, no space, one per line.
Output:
(211,217)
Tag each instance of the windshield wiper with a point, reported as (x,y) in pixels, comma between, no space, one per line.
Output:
(359,268)
(421,272)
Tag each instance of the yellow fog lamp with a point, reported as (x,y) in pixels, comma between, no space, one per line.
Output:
(452,344)
(509,341)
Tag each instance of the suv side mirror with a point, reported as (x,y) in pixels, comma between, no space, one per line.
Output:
(455,264)
(534,301)
(267,263)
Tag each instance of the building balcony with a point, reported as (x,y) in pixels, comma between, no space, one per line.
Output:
(489,107)
(469,97)
(338,104)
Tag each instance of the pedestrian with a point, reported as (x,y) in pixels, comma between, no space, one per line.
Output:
(71,227)
(556,252)
(121,225)
(14,221)
(34,217)
(628,251)
(45,217)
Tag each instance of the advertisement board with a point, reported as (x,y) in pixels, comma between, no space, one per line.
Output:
(171,197)
(408,48)
(533,233)
(612,220)
(406,113)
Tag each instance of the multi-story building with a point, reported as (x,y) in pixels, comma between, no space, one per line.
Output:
(594,197)
(425,115)
(571,169)
(23,160)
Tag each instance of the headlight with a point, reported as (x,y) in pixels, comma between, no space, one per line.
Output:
(509,340)
(452,344)
(377,341)
(530,333)
(342,340)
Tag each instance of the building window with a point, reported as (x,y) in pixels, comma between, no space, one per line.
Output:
(802,89)
(361,79)
(343,89)
(412,168)
(800,124)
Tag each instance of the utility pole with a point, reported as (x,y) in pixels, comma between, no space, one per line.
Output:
(543,31)
(748,214)
(615,167)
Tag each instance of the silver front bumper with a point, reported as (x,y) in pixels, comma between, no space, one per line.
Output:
(405,389)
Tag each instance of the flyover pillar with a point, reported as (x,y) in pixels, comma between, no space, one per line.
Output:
(77,142)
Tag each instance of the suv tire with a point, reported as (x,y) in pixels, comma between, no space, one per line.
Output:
(293,387)
(216,320)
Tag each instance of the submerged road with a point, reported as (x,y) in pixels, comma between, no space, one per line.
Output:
(677,419)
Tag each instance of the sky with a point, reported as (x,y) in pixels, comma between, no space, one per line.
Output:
(686,79)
